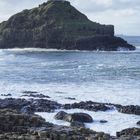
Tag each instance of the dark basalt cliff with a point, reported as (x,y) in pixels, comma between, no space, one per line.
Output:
(56,24)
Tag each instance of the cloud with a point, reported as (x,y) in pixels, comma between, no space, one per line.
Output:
(124,14)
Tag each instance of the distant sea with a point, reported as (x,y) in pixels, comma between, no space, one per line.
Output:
(135,40)
(110,77)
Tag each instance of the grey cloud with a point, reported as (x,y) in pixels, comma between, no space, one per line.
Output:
(103,5)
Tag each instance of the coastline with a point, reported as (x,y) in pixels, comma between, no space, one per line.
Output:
(118,120)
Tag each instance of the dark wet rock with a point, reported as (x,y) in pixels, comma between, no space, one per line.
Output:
(14,125)
(96,106)
(129,132)
(103,121)
(77,124)
(18,126)
(75,117)
(35,95)
(44,105)
(29,106)
(80,117)
(6,95)
(60,115)
(27,109)
(69,98)
(130,109)
(138,123)
(13,121)
(57,24)
(13,103)
(30,92)
(89,105)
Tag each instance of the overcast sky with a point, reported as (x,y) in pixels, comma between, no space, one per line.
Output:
(124,14)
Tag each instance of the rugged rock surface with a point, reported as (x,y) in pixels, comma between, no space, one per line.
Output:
(89,105)
(5,95)
(12,121)
(80,117)
(77,124)
(129,134)
(32,95)
(29,106)
(57,24)
(17,126)
(95,106)
(75,117)
(45,105)
(138,123)
(14,125)
(131,109)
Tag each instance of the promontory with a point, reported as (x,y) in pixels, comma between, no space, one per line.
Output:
(56,24)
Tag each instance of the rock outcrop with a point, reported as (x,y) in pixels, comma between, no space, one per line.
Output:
(56,24)
(17,126)
(138,123)
(95,106)
(44,105)
(29,106)
(130,109)
(129,134)
(75,117)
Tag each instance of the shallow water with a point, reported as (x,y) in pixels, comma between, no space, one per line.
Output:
(116,121)
(110,77)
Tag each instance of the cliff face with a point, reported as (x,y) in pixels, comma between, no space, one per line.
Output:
(56,24)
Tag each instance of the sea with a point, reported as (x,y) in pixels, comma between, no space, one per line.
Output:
(107,77)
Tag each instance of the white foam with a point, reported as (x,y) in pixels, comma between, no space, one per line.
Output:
(116,121)
(120,49)
(110,93)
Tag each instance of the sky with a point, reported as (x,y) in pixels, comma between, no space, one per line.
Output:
(123,14)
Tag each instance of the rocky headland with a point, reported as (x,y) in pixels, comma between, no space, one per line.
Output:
(58,25)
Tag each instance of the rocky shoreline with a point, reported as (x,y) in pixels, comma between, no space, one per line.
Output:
(18,120)
(20,126)
(44,105)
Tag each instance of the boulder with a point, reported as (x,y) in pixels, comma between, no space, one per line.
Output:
(80,117)
(103,121)
(138,123)
(75,117)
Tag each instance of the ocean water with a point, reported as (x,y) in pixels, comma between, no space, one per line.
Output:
(110,77)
